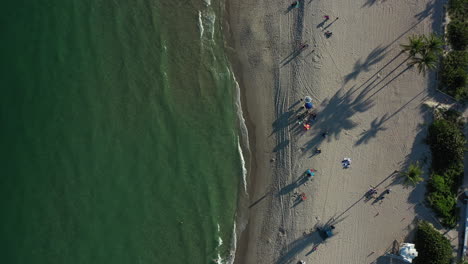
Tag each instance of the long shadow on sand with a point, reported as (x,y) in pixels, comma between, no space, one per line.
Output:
(312,240)
(285,119)
(298,246)
(374,57)
(290,187)
(377,53)
(337,114)
(338,111)
(377,124)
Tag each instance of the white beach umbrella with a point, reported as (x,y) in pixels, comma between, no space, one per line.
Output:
(307,99)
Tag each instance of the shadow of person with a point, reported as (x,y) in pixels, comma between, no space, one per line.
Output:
(321,24)
(297,246)
(282,121)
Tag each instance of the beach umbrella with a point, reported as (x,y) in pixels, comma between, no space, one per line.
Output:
(307,99)
(308,105)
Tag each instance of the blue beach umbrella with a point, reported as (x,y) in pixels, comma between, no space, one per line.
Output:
(308,105)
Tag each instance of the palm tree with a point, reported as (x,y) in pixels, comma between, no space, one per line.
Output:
(413,175)
(425,61)
(415,45)
(433,44)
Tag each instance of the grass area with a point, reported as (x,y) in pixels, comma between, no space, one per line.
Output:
(447,144)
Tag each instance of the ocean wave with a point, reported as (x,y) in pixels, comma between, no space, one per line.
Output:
(206,23)
(230,258)
(200,25)
(244,170)
(220,240)
(244,133)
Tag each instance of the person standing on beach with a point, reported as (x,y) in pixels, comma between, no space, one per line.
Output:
(295,4)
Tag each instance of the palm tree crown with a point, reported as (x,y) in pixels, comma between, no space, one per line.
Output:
(433,44)
(415,45)
(424,62)
(413,175)
(423,51)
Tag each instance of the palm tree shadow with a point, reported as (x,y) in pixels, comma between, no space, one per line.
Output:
(337,115)
(374,57)
(429,10)
(376,126)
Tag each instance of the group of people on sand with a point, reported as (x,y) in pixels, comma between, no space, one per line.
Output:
(328,33)
(296,4)
(306,118)
(373,191)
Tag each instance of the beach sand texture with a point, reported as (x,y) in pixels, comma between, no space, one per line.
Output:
(366,97)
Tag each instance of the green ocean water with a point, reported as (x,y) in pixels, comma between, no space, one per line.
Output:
(119,134)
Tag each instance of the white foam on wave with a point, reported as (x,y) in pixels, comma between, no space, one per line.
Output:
(200,25)
(232,253)
(206,24)
(211,19)
(244,170)
(220,241)
(243,130)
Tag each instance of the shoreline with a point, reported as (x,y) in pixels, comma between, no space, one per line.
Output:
(250,165)
(254,179)
(258,124)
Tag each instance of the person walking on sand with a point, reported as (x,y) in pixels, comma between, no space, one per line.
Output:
(295,4)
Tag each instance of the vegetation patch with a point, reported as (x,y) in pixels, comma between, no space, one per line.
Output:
(447,144)
(455,63)
(458,34)
(453,74)
(432,246)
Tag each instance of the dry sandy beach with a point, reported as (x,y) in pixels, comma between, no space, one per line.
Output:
(366,97)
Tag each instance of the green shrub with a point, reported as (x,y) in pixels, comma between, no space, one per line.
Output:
(458,34)
(458,8)
(447,144)
(453,176)
(438,184)
(444,205)
(432,246)
(453,116)
(442,194)
(453,74)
